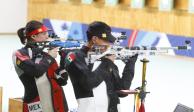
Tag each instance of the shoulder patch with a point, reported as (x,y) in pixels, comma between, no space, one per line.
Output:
(70,57)
(21,56)
(18,62)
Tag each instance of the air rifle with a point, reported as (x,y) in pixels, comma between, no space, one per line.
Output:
(126,52)
(56,42)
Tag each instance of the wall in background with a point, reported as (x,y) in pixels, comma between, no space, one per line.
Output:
(178,21)
(13,15)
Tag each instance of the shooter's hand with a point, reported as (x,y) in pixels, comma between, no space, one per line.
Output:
(132,59)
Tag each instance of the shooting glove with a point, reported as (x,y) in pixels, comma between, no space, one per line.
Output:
(132,59)
(62,76)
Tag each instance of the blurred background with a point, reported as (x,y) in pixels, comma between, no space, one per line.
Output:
(160,23)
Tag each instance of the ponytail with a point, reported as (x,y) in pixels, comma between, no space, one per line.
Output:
(22,35)
(30,26)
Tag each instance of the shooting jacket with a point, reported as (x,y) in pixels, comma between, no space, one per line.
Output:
(42,80)
(96,86)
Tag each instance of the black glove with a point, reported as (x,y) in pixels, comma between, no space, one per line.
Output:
(132,59)
(62,76)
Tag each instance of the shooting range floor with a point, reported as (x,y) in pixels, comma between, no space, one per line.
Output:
(170,80)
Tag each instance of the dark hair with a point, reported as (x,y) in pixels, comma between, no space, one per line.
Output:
(30,26)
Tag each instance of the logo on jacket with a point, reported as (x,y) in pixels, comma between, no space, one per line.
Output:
(70,57)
